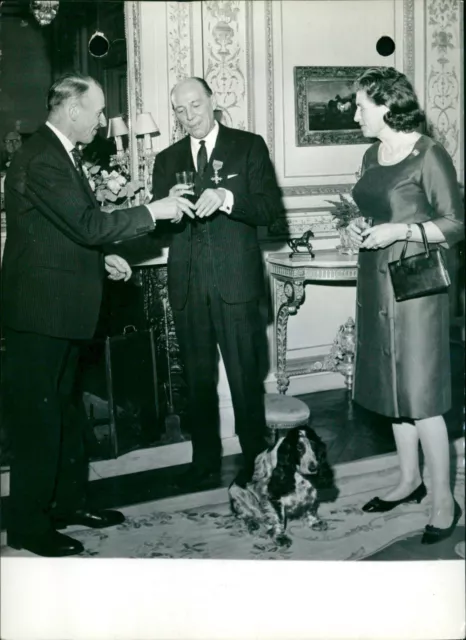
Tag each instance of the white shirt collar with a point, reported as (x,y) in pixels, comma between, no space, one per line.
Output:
(210,140)
(66,142)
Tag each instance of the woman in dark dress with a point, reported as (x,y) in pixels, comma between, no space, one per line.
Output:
(402,366)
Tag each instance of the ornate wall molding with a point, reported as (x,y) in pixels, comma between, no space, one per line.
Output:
(298,221)
(408,39)
(250,67)
(225,57)
(269,85)
(443,73)
(134,77)
(317,190)
(179,52)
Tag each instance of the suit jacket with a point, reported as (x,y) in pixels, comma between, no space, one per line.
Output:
(248,173)
(53,264)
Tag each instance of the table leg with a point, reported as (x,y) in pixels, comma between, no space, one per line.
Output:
(348,346)
(341,356)
(289,297)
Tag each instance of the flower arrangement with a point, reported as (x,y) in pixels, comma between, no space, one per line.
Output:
(344,211)
(111,188)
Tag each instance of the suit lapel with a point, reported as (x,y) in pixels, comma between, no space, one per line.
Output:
(52,139)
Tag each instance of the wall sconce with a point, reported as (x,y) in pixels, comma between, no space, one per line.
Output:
(145,127)
(117,129)
(145,130)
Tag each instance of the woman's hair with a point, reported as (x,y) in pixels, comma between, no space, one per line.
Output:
(389,87)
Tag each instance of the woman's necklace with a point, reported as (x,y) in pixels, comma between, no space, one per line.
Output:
(388,156)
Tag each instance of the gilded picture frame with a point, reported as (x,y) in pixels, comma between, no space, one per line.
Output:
(325,106)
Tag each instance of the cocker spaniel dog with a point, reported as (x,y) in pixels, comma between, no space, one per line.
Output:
(284,485)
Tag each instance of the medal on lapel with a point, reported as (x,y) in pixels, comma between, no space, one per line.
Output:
(217,165)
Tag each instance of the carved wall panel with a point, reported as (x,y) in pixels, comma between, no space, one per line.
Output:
(180,52)
(408,39)
(444,76)
(227,58)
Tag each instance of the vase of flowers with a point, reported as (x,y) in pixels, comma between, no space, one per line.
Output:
(113,189)
(344,211)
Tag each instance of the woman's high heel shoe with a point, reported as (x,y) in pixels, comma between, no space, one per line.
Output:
(379,505)
(434,534)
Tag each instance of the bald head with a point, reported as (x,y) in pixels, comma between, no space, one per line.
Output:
(194,106)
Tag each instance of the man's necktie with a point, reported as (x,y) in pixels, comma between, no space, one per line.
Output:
(201,159)
(78,161)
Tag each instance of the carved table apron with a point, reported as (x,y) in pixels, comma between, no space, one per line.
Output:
(289,279)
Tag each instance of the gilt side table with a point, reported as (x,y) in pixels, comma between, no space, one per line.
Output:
(289,276)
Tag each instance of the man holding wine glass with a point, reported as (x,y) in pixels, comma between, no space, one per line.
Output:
(215,272)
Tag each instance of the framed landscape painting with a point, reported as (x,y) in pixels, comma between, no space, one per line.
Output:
(325,106)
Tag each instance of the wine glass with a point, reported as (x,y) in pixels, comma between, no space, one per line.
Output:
(186,178)
(364,222)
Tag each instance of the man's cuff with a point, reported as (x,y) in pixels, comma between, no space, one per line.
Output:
(228,203)
(151,215)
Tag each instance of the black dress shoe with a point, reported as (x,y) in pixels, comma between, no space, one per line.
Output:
(92,519)
(50,545)
(433,534)
(195,478)
(379,505)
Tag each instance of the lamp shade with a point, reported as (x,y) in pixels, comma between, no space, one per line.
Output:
(145,124)
(116,127)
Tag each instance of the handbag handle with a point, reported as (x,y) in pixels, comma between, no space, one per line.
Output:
(424,239)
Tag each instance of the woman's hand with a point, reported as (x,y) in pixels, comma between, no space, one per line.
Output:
(382,235)
(355,233)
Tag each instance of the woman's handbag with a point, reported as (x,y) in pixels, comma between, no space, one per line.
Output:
(420,275)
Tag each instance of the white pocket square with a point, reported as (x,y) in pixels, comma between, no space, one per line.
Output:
(232,175)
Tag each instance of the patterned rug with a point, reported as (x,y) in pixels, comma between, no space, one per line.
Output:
(201,525)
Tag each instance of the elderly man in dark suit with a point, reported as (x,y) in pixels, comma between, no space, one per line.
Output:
(216,275)
(52,277)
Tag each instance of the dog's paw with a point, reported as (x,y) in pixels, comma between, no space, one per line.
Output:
(319,525)
(252,526)
(283,540)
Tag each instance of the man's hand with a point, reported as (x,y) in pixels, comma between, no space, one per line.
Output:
(209,202)
(180,190)
(171,208)
(117,268)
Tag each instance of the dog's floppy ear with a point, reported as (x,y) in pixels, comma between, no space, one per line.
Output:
(265,462)
(282,481)
(324,476)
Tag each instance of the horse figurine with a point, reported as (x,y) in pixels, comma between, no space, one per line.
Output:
(302,244)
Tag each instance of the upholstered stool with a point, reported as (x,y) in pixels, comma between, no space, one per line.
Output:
(283,413)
